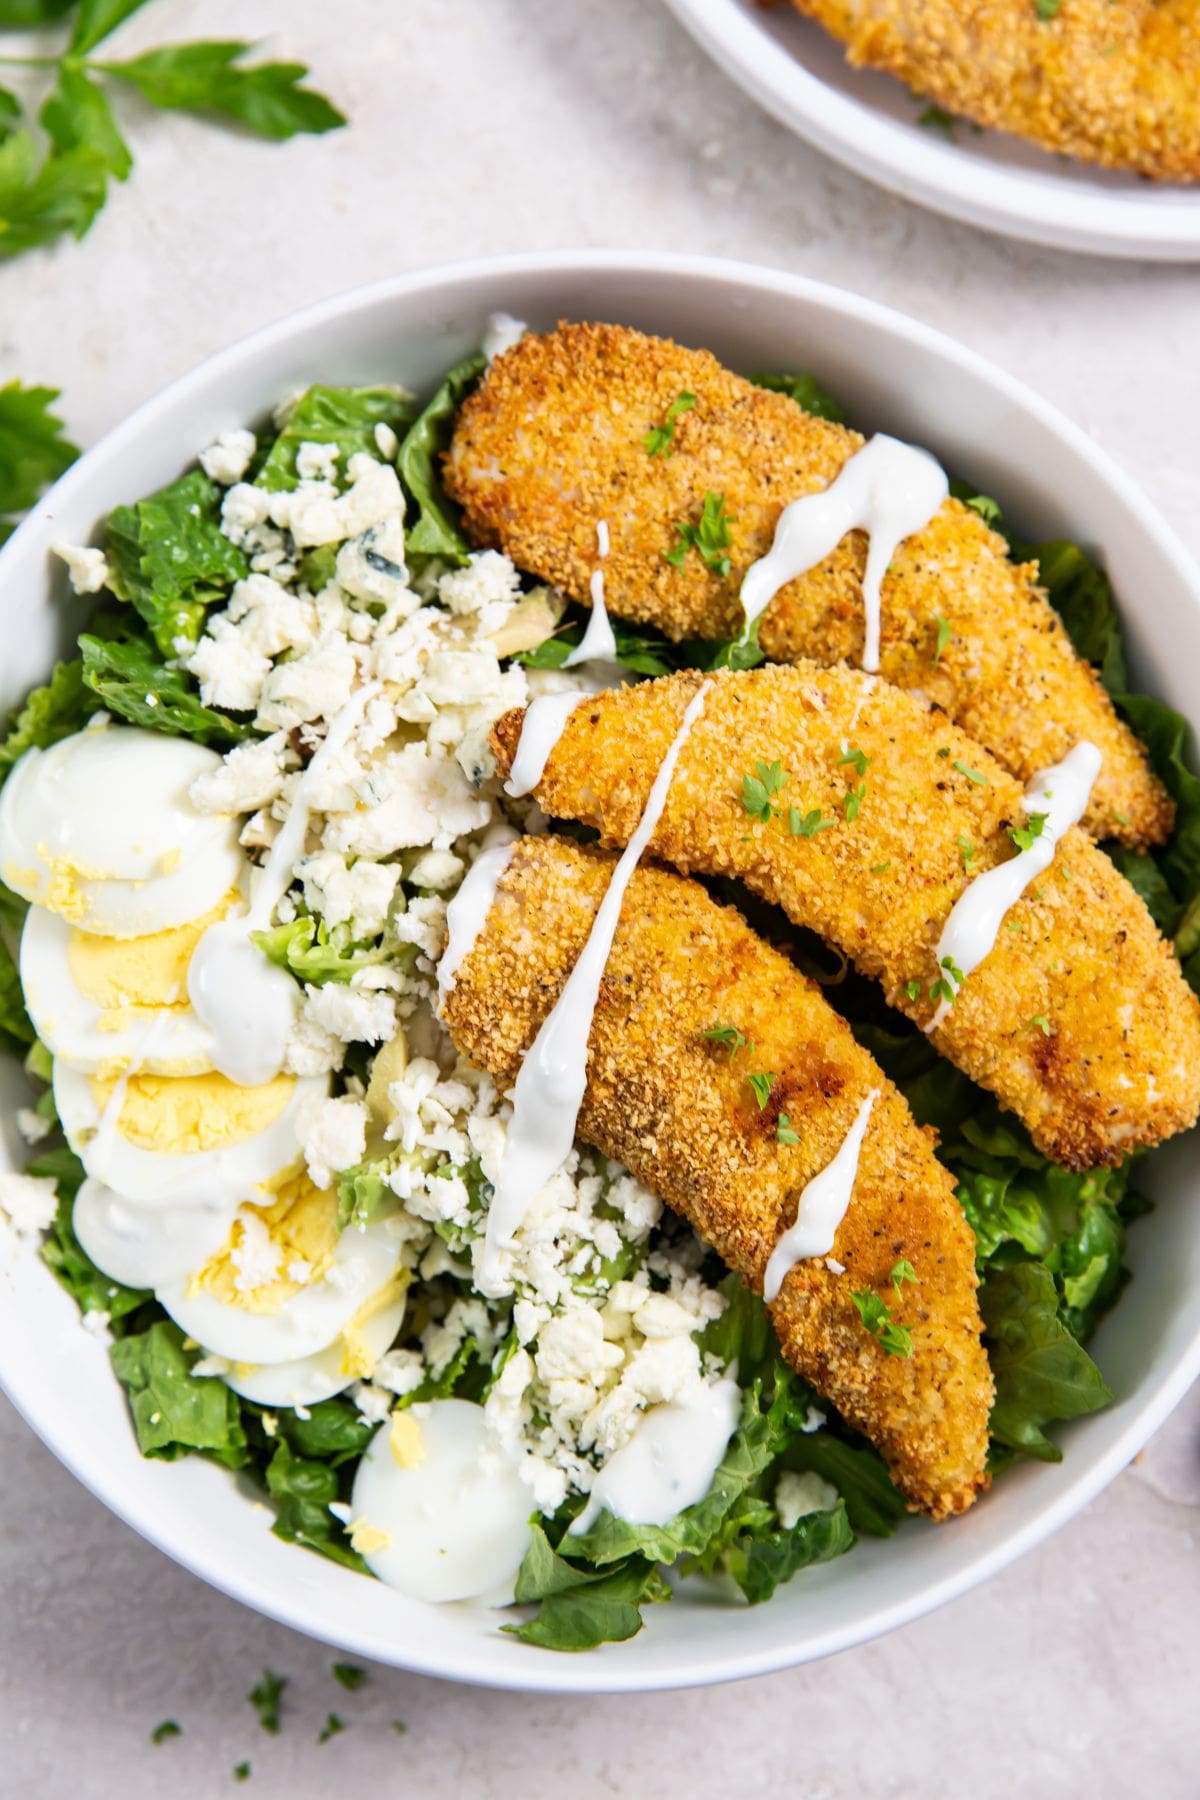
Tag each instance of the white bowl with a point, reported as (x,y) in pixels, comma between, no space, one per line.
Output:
(893,374)
(868,121)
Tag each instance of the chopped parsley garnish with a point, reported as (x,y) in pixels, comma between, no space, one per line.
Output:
(944,633)
(659,441)
(399,1727)
(807,824)
(971,774)
(708,536)
(1120,817)
(1039,1022)
(761,1085)
(729,1038)
(852,801)
(944,751)
(873,1311)
(168,1729)
(350,1676)
(913,989)
(880,868)
(1025,836)
(859,758)
(1047,9)
(330,1729)
(265,1699)
(968,851)
(987,508)
(241,1771)
(902,1271)
(946,986)
(936,118)
(784,1131)
(759,789)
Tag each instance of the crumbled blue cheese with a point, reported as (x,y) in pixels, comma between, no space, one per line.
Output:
(227,460)
(797,1495)
(335,1138)
(87,568)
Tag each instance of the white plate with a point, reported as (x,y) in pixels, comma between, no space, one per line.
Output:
(893,374)
(868,121)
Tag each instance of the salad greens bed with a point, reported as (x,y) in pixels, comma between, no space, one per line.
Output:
(1050,1244)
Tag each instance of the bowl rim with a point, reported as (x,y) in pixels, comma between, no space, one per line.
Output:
(1046,206)
(1160,1391)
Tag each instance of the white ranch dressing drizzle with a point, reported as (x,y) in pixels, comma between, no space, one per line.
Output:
(98,1155)
(888,489)
(544,723)
(822,1206)
(669,1462)
(549,1090)
(969,934)
(248,1003)
(598,643)
(467,913)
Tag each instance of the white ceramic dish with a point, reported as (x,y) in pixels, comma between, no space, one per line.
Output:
(869,122)
(893,374)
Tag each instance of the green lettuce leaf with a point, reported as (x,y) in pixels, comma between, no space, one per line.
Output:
(60,708)
(806,391)
(1042,1374)
(364,1193)
(173,1410)
(346,417)
(641,651)
(315,952)
(580,1608)
(759,1563)
(433,528)
(873,1502)
(16,1032)
(169,558)
(302,1488)
(130,680)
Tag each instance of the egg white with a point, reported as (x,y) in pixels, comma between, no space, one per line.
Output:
(70,1023)
(457,1524)
(141,1246)
(364,1261)
(306,1379)
(207,1178)
(101,827)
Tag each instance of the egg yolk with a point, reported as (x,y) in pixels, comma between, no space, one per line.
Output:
(126,976)
(274,1251)
(179,1115)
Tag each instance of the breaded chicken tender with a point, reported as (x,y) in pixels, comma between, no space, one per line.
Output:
(554,442)
(1115,82)
(1079,1020)
(677,1109)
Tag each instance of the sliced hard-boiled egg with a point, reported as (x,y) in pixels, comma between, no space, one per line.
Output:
(142,1246)
(285,1283)
(351,1357)
(191,1140)
(440,1512)
(93,998)
(100,829)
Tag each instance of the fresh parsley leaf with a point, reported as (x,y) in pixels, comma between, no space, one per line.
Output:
(881,868)
(77,116)
(169,558)
(852,801)
(241,1771)
(876,1316)
(972,775)
(1039,1022)
(708,536)
(761,1085)
(343,416)
(210,78)
(330,1729)
(807,824)
(33,450)
(858,758)
(98,19)
(936,118)
(431,527)
(1025,836)
(39,201)
(902,1271)
(660,440)
(945,632)
(33,12)
(728,1036)
(1047,10)
(913,989)
(806,391)
(349,1675)
(399,1727)
(265,1699)
(759,789)
(988,509)
(967,851)
(168,1729)
(130,680)
(784,1131)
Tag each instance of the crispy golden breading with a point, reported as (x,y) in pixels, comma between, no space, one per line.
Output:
(677,1110)
(1110,81)
(553,441)
(1079,1020)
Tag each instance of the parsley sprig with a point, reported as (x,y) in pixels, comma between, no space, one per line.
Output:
(47,194)
(1025,836)
(708,536)
(761,1084)
(33,450)
(265,1699)
(729,1038)
(807,824)
(785,1132)
(876,1315)
(946,986)
(759,789)
(660,441)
